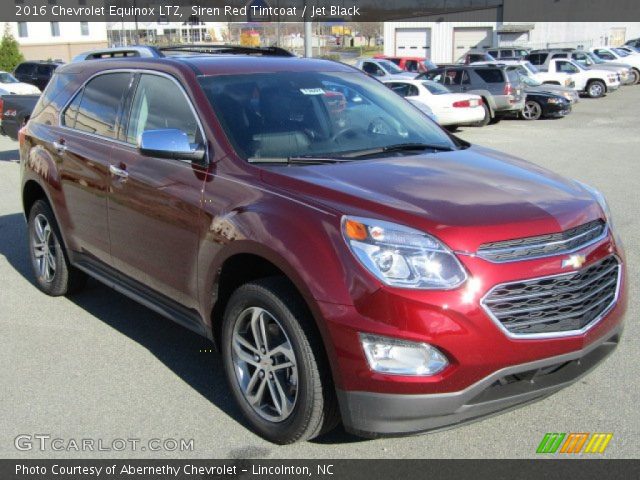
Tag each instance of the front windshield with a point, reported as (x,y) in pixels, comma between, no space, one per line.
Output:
(622,53)
(429,64)
(279,115)
(7,78)
(529,82)
(435,88)
(390,66)
(595,58)
(531,67)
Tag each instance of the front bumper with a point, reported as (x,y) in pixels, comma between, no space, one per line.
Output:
(372,414)
(557,110)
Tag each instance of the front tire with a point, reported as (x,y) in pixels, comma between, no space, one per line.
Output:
(274,363)
(596,89)
(532,110)
(55,276)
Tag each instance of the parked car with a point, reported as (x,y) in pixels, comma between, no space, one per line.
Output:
(343,254)
(541,104)
(593,83)
(451,109)
(36,73)
(382,69)
(499,89)
(627,74)
(410,64)
(10,85)
(610,56)
(15,111)
(634,42)
(532,85)
(508,53)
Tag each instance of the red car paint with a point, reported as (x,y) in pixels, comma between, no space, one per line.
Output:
(197,218)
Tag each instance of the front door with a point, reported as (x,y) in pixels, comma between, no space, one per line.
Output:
(154,204)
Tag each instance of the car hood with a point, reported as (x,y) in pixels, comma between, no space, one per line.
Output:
(19,88)
(465,197)
(610,66)
(408,75)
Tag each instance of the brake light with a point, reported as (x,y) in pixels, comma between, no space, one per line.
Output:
(1,106)
(462,104)
(22,134)
(508,89)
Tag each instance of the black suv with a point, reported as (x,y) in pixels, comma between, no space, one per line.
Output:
(500,88)
(36,73)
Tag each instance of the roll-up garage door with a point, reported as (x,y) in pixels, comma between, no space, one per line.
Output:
(413,42)
(465,39)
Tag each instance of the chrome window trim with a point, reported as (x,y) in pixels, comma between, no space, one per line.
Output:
(568,333)
(481,253)
(132,71)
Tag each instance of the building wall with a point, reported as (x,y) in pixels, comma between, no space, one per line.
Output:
(41,44)
(544,34)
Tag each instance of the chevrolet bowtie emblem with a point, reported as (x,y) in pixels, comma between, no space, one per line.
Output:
(574,261)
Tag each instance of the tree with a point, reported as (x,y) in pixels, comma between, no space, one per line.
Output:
(10,55)
(369,30)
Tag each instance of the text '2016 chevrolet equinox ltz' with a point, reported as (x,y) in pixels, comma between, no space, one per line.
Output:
(350,259)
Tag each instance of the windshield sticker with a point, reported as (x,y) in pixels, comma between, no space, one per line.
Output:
(312,91)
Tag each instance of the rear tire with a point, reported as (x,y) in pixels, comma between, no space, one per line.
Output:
(636,73)
(596,89)
(487,116)
(285,398)
(55,276)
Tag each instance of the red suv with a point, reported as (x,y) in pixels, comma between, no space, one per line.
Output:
(410,64)
(350,258)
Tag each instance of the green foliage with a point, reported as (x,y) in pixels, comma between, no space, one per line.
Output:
(10,55)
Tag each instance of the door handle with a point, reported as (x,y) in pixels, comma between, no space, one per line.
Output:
(118,172)
(60,146)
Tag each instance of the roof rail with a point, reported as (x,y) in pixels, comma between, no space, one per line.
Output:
(227,49)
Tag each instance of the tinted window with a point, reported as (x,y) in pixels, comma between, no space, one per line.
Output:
(603,54)
(43,69)
(160,104)
(101,103)
(51,92)
(505,53)
(70,113)
(411,66)
(560,55)
(538,58)
(454,77)
(371,68)
(25,69)
(493,53)
(490,75)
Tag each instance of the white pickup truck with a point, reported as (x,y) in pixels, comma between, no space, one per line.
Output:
(595,83)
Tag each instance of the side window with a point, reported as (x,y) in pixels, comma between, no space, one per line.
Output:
(100,104)
(466,80)
(566,67)
(26,69)
(160,104)
(493,53)
(434,76)
(490,75)
(372,68)
(604,55)
(71,112)
(411,66)
(453,77)
(560,55)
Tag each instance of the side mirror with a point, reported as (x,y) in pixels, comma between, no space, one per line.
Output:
(169,143)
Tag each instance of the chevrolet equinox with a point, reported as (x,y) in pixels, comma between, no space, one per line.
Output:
(350,259)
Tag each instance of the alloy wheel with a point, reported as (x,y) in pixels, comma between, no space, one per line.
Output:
(44,249)
(531,111)
(265,364)
(595,90)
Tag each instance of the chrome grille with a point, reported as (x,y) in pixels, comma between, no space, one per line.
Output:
(556,304)
(544,245)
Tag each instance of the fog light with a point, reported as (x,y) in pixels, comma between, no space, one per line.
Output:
(401,357)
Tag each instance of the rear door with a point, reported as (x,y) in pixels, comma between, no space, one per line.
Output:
(84,141)
(154,203)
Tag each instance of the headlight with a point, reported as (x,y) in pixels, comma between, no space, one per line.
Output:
(401,357)
(400,256)
(599,197)
(555,101)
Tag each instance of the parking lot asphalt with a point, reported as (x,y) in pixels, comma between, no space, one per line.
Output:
(100,366)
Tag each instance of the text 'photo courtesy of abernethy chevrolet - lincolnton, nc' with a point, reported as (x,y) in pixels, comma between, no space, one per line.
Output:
(352,259)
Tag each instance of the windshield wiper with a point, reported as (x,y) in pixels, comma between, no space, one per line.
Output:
(400,147)
(300,160)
